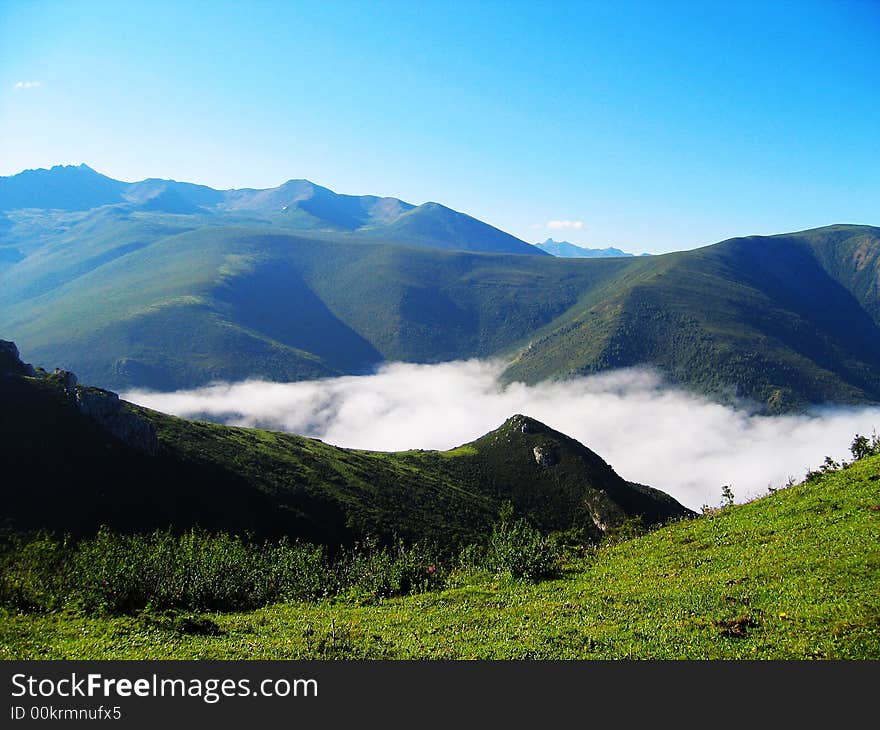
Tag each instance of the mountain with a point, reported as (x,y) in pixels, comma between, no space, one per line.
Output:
(783,320)
(77,457)
(567,250)
(790,576)
(448,229)
(297,205)
(64,187)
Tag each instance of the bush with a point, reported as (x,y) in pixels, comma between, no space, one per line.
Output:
(372,571)
(31,571)
(299,572)
(863,447)
(520,550)
(199,571)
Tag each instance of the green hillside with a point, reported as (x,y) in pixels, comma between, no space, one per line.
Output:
(230,303)
(76,458)
(783,320)
(795,575)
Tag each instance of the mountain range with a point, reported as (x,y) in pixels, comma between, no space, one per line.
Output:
(297,204)
(567,250)
(166,285)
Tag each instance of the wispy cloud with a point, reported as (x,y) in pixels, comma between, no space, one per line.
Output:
(19,85)
(647,430)
(565,225)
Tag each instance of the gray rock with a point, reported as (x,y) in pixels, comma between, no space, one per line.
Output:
(545,456)
(10,349)
(67,378)
(10,361)
(598,520)
(605,513)
(106,408)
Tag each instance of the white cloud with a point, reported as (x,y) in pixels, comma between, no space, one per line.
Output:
(648,431)
(27,85)
(564,225)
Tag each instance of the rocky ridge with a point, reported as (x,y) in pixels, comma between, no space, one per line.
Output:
(103,406)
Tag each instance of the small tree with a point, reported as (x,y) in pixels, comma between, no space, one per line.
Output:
(863,447)
(860,447)
(727,495)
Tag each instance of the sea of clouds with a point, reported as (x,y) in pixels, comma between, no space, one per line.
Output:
(649,431)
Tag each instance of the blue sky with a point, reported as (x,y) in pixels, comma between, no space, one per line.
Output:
(651,126)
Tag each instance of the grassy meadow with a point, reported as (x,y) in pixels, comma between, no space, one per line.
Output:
(794,575)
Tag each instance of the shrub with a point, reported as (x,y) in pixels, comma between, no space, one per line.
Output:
(372,571)
(863,447)
(727,496)
(199,571)
(31,572)
(520,550)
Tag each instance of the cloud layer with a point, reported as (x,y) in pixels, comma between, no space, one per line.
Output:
(648,431)
(19,85)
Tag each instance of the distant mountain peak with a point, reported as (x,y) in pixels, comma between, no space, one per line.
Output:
(566,249)
(81,167)
(433,205)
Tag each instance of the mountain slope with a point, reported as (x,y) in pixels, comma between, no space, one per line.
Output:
(448,229)
(783,320)
(229,303)
(76,457)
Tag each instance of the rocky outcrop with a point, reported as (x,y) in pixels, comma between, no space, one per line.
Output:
(101,405)
(604,512)
(545,456)
(8,350)
(105,407)
(10,361)
(67,380)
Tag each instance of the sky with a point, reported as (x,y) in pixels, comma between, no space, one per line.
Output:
(645,125)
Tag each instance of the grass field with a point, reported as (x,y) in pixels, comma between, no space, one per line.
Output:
(795,575)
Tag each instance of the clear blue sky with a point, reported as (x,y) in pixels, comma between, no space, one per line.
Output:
(659,126)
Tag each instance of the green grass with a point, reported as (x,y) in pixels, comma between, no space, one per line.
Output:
(795,575)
